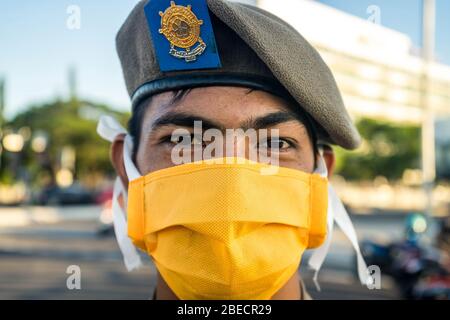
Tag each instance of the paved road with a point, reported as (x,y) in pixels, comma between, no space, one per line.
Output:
(35,252)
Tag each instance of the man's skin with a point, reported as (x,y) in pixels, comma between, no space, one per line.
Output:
(225,108)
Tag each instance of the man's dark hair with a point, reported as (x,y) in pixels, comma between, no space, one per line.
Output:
(137,116)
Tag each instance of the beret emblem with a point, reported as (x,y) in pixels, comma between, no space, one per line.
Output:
(181,27)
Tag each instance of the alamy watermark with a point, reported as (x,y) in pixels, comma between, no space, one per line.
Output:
(233,145)
(374,277)
(374,13)
(73,21)
(73,281)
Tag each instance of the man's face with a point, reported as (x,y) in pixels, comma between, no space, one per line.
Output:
(222,108)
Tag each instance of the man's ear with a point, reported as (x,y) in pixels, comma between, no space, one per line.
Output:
(117,158)
(330,159)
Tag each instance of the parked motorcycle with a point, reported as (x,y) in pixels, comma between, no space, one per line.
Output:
(421,271)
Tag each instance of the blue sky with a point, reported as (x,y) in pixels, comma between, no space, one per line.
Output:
(37,49)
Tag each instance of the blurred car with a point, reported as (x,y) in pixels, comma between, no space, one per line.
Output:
(73,195)
(443,238)
(420,271)
(104,199)
(104,196)
(433,288)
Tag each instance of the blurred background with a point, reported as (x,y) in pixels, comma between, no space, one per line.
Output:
(59,72)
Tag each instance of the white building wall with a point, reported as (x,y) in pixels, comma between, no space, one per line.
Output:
(373,65)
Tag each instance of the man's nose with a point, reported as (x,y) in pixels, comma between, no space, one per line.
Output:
(241,146)
(236,146)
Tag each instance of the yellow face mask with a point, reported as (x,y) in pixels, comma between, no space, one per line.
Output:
(298,221)
(226,231)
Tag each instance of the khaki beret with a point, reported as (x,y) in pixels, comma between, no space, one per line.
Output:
(247,47)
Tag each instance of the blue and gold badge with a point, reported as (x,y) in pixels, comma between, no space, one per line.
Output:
(182,28)
(182,34)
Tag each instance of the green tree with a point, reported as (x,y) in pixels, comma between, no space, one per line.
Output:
(387,150)
(67,123)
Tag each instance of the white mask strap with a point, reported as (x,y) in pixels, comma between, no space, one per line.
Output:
(318,257)
(130,168)
(345,223)
(131,257)
(336,212)
(321,168)
(108,128)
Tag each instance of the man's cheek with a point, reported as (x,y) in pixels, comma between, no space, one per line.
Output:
(155,158)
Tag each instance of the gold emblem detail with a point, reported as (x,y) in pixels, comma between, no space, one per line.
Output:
(182,28)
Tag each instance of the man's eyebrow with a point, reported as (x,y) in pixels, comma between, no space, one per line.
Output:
(187,120)
(184,120)
(272,119)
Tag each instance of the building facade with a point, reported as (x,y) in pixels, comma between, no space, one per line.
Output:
(379,72)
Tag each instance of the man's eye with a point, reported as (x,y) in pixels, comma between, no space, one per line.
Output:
(177,139)
(185,139)
(279,144)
